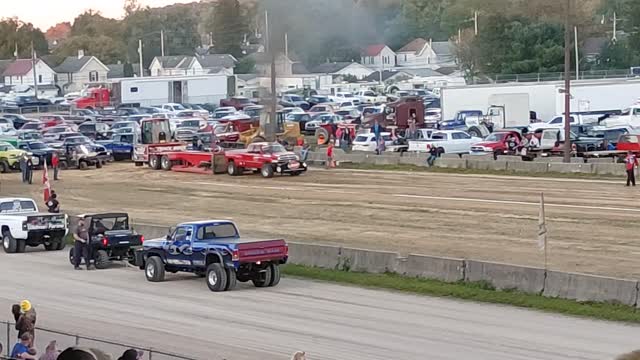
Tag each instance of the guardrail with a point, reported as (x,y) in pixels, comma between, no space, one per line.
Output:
(559,76)
(66,339)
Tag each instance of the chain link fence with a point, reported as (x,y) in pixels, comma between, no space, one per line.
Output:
(44,336)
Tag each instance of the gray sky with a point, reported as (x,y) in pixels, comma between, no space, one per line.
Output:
(46,13)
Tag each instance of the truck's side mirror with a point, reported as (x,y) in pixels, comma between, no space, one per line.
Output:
(169,232)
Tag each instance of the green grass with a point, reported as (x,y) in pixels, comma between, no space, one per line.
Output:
(480,292)
(439,170)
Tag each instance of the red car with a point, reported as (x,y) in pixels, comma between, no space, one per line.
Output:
(51,120)
(496,143)
(266,158)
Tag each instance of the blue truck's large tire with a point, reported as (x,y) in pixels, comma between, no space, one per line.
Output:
(275,275)
(154,269)
(216,277)
(263,279)
(232,279)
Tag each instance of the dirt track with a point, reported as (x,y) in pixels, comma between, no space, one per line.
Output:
(592,224)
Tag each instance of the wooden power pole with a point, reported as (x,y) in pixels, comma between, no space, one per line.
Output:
(567,82)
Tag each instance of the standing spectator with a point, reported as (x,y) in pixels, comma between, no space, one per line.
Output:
(304,152)
(21,350)
(380,146)
(55,163)
(433,155)
(81,246)
(330,163)
(53,205)
(377,129)
(345,140)
(412,129)
(26,323)
(51,352)
(29,170)
(23,167)
(631,163)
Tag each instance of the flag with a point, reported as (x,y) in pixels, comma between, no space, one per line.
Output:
(45,182)
(542,226)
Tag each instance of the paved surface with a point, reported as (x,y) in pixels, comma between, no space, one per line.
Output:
(593,225)
(330,322)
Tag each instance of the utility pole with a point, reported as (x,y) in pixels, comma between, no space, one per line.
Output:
(615,27)
(162,42)
(140,54)
(567,83)
(475,22)
(272,124)
(33,66)
(267,45)
(575,28)
(286,44)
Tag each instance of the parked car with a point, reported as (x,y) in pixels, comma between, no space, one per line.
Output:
(121,145)
(343,96)
(446,141)
(33,126)
(214,250)
(18,120)
(221,112)
(432,118)
(95,130)
(314,100)
(9,157)
(289,100)
(311,126)
(188,129)
(173,108)
(300,118)
(369,97)
(237,102)
(323,108)
(351,115)
(367,142)
(38,149)
(192,114)
(52,120)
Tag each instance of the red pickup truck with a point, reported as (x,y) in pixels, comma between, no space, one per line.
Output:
(238,102)
(496,143)
(266,158)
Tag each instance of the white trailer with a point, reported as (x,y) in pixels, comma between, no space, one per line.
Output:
(545,98)
(157,90)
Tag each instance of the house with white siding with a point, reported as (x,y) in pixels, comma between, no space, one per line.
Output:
(20,72)
(378,56)
(77,71)
(180,65)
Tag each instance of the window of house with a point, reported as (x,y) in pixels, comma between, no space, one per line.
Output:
(405,57)
(93,76)
(39,79)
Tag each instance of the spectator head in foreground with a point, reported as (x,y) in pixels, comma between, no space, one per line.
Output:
(51,352)
(25,305)
(634,355)
(77,353)
(131,354)
(299,355)
(21,349)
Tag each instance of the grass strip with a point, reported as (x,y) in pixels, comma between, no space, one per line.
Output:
(479,292)
(414,168)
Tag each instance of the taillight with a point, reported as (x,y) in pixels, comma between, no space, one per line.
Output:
(235,255)
(286,249)
(105,241)
(142,238)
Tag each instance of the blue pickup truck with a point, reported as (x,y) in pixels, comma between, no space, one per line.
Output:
(213,249)
(120,145)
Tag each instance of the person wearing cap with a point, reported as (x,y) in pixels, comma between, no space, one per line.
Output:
(26,323)
(22,349)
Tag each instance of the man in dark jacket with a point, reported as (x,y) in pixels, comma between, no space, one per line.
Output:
(26,322)
(81,246)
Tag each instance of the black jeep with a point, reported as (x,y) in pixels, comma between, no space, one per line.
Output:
(110,238)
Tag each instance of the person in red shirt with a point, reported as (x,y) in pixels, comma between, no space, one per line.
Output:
(55,162)
(632,163)
(330,155)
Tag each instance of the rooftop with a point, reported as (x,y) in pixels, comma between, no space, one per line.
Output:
(374,50)
(72,64)
(19,67)
(217,61)
(415,46)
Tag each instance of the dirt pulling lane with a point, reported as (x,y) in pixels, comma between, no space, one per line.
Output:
(592,224)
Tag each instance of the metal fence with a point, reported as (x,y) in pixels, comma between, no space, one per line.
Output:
(33,109)
(559,76)
(44,336)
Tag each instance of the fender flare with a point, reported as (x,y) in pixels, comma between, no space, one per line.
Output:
(214,253)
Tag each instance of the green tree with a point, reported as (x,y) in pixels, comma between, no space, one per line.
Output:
(142,24)
(104,47)
(228,27)
(14,32)
(181,31)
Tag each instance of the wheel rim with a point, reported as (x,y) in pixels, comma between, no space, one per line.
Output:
(265,172)
(212,278)
(230,169)
(5,242)
(165,162)
(151,271)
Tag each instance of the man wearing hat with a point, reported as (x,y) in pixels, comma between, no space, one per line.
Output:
(26,323)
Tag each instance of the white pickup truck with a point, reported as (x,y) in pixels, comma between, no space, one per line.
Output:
(370,97)
(446,142)
(22,225)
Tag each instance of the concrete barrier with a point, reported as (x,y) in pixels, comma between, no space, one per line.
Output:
(609,169)
(486,157)
(151,231)
(575,168)
(451,163)
(386,160)
(505,276)
(583,287)
(413,160)
(322,256)
(487,165)
(527,166)
(510,158)
(450,156)
(355,157)
(368,260)
(606,160)
(437,268)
